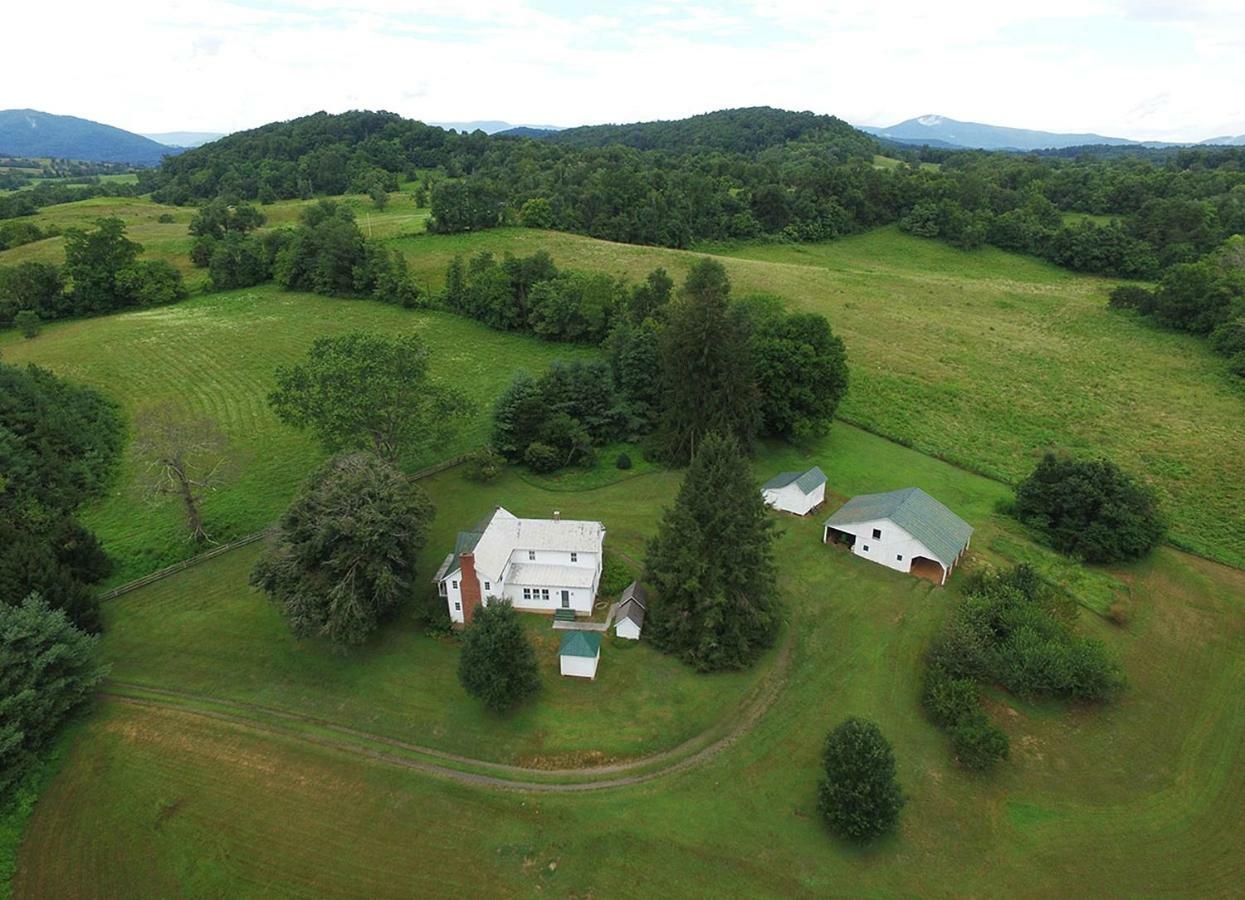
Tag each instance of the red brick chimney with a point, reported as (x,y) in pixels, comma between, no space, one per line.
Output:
(469,586)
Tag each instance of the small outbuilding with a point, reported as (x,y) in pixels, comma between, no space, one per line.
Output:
(906,530)
(580,653)
(629,616)
(796,492)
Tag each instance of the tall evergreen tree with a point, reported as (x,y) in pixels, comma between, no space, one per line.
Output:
(712,565)
(707,381)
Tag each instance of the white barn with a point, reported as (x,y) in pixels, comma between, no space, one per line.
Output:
(580,653)
(796,492)
(629,615)
(539,565)
(906,530)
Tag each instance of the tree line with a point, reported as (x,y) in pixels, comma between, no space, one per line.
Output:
(678,365)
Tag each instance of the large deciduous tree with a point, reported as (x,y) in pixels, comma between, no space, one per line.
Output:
(186,457)
(498,665)
(1090,509)
(800,367)
(48,668)
(344,558)
(94,260)
(859,795)
(368,391)
(707,380)
(712,565)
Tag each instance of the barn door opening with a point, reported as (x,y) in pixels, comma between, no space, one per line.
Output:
(843,538)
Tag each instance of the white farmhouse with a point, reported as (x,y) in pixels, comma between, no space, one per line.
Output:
(629,615)
(796,492)
(539,565)
(580,653)
(906,530)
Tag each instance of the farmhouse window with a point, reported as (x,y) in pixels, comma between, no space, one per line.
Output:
(574,557)
(877,534)
(544,593)
(487,586)
(455,584)
(527,593)
(866,548)
(531,555)
(458,607)
(899,556)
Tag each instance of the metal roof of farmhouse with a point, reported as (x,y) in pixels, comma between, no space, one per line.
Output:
(807,482)
(943,532)
(581,643)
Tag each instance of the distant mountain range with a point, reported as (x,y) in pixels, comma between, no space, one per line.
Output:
(939,131)
(492,126)
(28,132)
(185,138)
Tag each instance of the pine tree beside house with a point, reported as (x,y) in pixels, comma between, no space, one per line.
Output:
(712,565)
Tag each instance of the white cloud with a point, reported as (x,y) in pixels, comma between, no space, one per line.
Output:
(1139,68)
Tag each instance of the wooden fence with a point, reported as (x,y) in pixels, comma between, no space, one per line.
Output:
(161,574)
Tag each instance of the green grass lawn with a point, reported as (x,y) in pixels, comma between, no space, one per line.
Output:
(216,355)
(1142,797)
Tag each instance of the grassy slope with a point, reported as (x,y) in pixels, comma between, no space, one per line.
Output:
(216,354)
(983,358)
(1142,797)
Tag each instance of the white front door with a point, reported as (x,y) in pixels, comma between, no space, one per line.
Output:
(566,599)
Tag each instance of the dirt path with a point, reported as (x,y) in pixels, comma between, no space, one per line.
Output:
(681,758)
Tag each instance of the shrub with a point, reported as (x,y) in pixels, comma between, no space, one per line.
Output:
(1090,509)
(484,465)
(978,744)
(150,282)
(624,461)
(165,218)
(497,664)
(28,322)
(542,458)
(859,795)
(615,576)
(948,700)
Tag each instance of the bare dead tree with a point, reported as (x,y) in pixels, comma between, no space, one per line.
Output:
(185,456)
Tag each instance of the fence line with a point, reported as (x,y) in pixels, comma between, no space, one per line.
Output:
(161,574)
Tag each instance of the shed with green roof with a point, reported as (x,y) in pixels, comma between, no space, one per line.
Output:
(796,492)
(579,654)
(906,530)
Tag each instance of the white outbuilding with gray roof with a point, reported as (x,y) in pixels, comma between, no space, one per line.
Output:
(906,530)
(796,492)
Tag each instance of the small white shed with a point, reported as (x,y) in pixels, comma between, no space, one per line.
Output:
(796,492)
(629,616)
(580,653)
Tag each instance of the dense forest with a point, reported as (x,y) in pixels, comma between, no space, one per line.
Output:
(741,174)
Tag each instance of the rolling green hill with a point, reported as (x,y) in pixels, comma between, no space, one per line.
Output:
(28,132)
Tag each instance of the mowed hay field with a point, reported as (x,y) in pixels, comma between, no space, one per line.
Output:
(984,358)
(1139,798)
(216,355)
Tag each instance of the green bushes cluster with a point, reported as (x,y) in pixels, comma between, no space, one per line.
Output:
(1009,630)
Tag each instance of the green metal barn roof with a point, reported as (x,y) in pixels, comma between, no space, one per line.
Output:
(943,532)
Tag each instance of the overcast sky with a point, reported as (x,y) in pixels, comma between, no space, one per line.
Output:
(1155,69)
